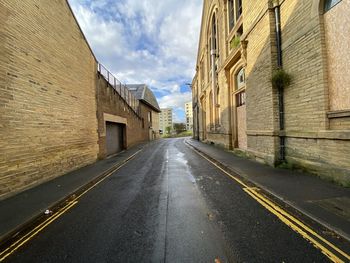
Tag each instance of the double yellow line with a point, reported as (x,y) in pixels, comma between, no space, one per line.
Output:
(28,236)
(299,227)
(326,247)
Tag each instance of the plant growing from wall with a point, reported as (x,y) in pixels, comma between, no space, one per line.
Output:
(280,79)
(235,41)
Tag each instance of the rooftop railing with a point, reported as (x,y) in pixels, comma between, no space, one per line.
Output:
(120,88)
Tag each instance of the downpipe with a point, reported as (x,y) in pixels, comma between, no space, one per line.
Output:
(280,89)
(213,81)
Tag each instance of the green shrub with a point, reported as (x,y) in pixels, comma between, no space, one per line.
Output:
(235,42)
(280,79)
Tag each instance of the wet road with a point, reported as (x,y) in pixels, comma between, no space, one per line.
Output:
(168,204)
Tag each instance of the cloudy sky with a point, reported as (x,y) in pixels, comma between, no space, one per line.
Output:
(146,41)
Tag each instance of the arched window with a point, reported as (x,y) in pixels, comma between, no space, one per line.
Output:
(240,79)
(328,4)
(217,106)
(213,42)
(211,106)
(214,33)
(240,83)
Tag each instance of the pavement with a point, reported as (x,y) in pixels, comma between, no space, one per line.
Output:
(320,200)
(19,210)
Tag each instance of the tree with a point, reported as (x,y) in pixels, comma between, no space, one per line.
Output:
(179,127)
(168,130)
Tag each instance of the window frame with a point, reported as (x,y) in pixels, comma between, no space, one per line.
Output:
(329,4)
(231,14)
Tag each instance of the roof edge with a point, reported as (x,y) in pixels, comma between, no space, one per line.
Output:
(81,31)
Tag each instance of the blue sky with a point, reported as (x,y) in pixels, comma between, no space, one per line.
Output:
(146,41)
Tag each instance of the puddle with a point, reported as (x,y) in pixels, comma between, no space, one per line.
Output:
(180,157)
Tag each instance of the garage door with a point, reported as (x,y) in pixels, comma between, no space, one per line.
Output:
(114,137)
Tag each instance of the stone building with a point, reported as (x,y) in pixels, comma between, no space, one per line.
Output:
(149,106)
(242,45)
(59,110)
(166,119)
(189,116)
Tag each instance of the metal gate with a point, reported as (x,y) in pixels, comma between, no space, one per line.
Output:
(114,137)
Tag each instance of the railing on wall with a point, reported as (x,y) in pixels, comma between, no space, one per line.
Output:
(120,88)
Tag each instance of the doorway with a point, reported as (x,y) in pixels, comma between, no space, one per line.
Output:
(114,137)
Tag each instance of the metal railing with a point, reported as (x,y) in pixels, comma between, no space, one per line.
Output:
(120,88)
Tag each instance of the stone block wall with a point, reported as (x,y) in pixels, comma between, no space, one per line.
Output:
(48,123)
(328,158)
(314,142)
(315,53)
(306,99)
(262,116)
(111,104)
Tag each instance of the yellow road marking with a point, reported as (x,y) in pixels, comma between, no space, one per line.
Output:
(228,174)
(108,175)
(24,239)
(285,217)
(295,220)
(297,229)
(34,232)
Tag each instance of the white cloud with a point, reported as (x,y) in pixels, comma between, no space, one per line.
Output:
(175,100)
(150,41)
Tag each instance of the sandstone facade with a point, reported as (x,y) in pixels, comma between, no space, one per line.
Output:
(53,102)
(237,105)
(47,95)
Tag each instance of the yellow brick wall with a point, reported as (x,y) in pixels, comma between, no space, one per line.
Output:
(48,122)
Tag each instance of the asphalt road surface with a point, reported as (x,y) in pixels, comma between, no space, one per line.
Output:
(168,204)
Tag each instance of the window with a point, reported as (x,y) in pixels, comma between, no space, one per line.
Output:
(328,4)
(240,99)
(217,109)
(238,9)
(211,105)
(213,33)
(231,14)
(240,82)
(240,79)
(337,33)
(149,115)
(202,72)
(234,12)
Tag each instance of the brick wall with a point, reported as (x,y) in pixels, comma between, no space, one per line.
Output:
(48,120)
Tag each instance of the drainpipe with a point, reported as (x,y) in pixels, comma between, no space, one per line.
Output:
(276,8)
(213,83)
(197,109)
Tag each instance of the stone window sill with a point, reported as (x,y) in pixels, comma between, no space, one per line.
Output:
(338,114)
